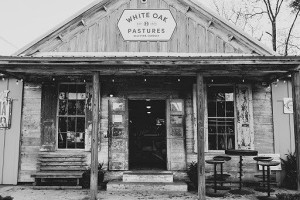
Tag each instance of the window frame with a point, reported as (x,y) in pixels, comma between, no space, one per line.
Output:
(58,116)
(207,118)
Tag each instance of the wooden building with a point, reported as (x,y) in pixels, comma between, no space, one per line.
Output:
(159,61)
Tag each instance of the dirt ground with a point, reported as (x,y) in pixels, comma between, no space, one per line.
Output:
(27,193)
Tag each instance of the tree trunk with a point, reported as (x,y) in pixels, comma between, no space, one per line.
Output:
(274,35)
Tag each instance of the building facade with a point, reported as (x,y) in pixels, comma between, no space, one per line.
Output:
(148,54)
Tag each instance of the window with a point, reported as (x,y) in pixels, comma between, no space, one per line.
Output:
(71,116)
(221,124)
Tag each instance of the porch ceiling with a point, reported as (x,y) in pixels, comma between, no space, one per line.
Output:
(260,68)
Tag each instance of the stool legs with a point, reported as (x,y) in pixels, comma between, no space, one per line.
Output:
(241,172)
(215,177)
(221,174)
(268,179)
(264,176)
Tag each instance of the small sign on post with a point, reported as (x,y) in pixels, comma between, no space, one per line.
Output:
(5,110)
(287,105)
(146,25)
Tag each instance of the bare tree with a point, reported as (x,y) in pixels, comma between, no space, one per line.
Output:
(295,5)
(273,14)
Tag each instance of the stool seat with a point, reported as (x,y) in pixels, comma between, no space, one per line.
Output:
(270,163)
(215,161)
(225,158)
(263,158)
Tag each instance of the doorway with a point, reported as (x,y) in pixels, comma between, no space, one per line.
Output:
(147,135)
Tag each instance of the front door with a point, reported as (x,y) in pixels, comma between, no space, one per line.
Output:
(147,135)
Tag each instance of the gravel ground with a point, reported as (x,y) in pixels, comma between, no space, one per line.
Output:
(27,193)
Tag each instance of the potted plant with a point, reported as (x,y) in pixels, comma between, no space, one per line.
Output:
(86,176)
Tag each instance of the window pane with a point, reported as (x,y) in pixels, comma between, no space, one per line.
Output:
(72,107)
(62,107)
(212,125)
(212,141)
(221,109)
(62,124)
(71,124)
(62,137)
(211,109)
(80,124)
(80,88)
(80,107)
(71,136)
(80,140)
(222,140)
(229,109)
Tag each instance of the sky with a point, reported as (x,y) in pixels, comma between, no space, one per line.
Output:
(22,21)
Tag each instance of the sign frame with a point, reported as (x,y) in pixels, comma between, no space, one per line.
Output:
(147,39)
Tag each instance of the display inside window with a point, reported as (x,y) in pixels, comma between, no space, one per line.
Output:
(71,116)
(221,121)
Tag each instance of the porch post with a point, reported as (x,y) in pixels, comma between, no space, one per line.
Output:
(200,136)
(94,154)
(296,107)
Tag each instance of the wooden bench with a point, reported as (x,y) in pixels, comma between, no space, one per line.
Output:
(60,166)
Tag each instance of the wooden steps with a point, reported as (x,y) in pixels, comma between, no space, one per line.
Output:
(154,181)
(59,166)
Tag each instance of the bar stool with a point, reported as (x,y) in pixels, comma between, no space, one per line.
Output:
(268,165)
(215,163)
(262,159)
(223,176)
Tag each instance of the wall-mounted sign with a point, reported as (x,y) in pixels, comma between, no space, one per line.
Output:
(5,110)
(146,25)
(287,105)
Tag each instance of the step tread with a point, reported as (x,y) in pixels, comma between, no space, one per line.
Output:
(51,174)
(147,183)
(56,187)
(178,186)
(148,173)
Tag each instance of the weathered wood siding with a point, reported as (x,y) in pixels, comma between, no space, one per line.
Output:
(99,33)
(263,119)
(30,131)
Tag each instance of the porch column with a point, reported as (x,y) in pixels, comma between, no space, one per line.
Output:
(296,107)
(200,136)
(95,126)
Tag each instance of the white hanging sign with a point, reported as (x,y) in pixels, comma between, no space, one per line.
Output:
(5,110)
(146,25)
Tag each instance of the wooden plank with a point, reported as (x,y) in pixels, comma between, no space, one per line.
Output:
(62,155)
(192,37)
(211,42)
(94,153)
(172,44)
(200,136)
(57,163)
(296,108)
(62,160)
(62,168)
(182,32)
(56,187)
(49,107)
